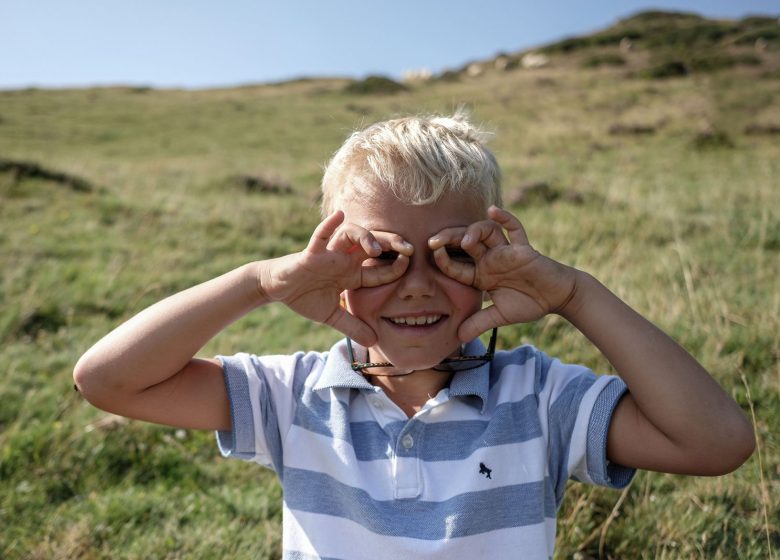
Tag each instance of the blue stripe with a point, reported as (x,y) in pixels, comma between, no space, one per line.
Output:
(325,417)
(542,367)
(240,442)
(514,422)
(517,357)
(471,513)
(599,469)
(562,416)
(303,365)
(371,442)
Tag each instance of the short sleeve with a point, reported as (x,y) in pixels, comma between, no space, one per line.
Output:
(598,469)
(255,434)
(262,391)
(580,406)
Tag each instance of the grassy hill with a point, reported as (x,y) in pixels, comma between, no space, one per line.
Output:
(665,185)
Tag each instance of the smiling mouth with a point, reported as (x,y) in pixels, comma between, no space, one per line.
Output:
(419,321)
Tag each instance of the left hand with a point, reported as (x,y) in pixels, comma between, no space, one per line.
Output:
(523,284)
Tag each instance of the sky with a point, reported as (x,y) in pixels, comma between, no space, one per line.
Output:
(211,43)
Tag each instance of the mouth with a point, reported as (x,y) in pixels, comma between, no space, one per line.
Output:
(421,320)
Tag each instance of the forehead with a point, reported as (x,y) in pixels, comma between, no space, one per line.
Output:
(382,211)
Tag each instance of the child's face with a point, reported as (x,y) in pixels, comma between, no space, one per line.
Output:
(423,291)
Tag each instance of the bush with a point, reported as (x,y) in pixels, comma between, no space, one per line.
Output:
(770,34)
(711,139)
(373,85)
(449,76)
(667,69)
(747,59)
(606,59)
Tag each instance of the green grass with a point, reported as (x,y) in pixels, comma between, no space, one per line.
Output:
(689,236)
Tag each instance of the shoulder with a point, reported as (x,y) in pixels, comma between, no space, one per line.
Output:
(273,370)
(531,371)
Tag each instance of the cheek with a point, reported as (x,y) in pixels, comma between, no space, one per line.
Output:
(465,298)
(365,301)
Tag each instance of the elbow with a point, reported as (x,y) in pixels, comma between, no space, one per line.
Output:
(83,379)
(735,449)
(90,382)
(744,445)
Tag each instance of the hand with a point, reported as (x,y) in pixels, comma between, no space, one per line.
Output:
(311,282)
(523,284)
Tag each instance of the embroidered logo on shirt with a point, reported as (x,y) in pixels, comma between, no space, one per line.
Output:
(484,470)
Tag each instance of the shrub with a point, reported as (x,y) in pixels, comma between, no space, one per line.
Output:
(449,76)
(605,59)
(373,85)
(711,138)
(667,69)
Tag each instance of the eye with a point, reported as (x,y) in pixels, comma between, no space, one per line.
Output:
(459,255)
(384,258)
(388,256)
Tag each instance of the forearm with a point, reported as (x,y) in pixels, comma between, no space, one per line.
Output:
(670,388)
(158,342)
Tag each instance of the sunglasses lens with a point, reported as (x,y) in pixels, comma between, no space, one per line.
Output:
(461,365)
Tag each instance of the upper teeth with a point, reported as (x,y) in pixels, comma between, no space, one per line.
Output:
(423,320)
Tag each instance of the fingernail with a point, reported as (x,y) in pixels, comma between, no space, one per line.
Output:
(377,246)
(466,239)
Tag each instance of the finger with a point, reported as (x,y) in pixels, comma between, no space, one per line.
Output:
(447,237)
(394,242)
(376,275)
(324,231)
(343,321)
(453,237)
(463,272)
(372,276)
(510,223)
(482,321)
(482,236)
(350,238)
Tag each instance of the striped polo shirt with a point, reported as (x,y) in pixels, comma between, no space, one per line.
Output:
(478,472)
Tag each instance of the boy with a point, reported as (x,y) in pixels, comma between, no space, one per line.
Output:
(414,440)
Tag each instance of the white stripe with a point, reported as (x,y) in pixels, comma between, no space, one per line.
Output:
(340,538)
(262,456)
(511,464)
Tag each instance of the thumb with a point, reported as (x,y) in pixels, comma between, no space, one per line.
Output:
(343,321)
(482,321)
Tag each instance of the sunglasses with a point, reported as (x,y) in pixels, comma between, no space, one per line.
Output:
(448,365)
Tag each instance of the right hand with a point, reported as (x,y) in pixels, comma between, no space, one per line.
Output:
(311,282)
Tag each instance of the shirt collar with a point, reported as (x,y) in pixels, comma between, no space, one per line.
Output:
(338,373)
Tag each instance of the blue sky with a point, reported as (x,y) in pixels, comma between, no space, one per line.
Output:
(199,43)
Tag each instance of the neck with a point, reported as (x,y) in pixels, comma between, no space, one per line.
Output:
(410,392)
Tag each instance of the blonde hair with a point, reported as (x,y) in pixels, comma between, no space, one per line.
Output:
(418,159)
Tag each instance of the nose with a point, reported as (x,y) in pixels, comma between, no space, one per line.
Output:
(419,280)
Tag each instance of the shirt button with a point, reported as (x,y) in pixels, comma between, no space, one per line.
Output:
(407,441)
(378,403)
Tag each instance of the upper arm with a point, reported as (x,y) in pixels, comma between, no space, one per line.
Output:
(195,397)
(633,441)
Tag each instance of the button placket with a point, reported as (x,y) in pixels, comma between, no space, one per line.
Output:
(408,478)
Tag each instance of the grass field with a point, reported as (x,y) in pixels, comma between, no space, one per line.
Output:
(681,220)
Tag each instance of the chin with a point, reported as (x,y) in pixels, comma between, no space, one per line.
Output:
(406,360)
